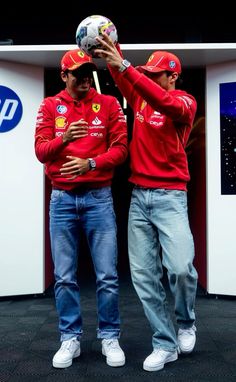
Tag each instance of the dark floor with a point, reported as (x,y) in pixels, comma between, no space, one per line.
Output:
(29,339)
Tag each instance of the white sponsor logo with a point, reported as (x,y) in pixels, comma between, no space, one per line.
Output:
(96,121)
(97,127)
(61,109)
(98,135)
(8,110)
(156,123)
(157,117)
(188,101)
(139,117)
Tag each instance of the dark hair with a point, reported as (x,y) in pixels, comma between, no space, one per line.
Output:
(168,73)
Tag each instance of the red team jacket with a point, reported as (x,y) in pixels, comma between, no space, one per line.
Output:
(106,141)
(162,124)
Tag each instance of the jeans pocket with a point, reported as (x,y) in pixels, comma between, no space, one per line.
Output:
(100,194)
(56,196)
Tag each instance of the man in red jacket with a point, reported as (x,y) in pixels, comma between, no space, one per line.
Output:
(80,137)
(158,216)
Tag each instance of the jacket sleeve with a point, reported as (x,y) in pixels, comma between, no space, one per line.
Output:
(181,107)
(126,88)
(132,83)
(117,140)
(46,144)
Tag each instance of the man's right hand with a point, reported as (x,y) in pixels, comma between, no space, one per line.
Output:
(78,129)
(108,51)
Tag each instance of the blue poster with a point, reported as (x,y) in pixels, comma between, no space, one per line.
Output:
(228,137)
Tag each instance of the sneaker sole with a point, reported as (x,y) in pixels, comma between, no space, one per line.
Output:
(186,350)
(61,365)
(172,358)
(113,364)
(64,365)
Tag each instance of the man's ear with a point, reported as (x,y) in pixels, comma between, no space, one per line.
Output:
(63,76)
(174,77)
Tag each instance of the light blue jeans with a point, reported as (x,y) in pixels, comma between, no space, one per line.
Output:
(158,218)
(93,212)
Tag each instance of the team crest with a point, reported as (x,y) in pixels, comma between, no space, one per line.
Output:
(151,58)
(81,53)
(144,103)
(96,107)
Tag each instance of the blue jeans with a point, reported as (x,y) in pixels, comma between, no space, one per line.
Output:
(91,211)
(158,218)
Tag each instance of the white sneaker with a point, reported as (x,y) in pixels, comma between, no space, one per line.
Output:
(158,358)
(187,339)
(69,349)
(113,352)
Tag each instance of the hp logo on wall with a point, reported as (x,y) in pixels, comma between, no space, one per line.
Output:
(10,109)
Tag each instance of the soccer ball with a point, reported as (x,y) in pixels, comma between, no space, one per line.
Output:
(92,27)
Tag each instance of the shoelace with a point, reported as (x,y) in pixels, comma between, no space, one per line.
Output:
(66,345)
(155,351)
(112,344)
(189,331)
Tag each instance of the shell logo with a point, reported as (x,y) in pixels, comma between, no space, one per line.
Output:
(60,122)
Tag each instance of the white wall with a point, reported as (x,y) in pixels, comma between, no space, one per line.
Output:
(221,209)
(22,188)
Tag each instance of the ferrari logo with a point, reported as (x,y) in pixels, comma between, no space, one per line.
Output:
(96,107)
(81,54)
(144,103)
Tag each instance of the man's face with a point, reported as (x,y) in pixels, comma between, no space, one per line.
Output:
(78,81)
(164,79)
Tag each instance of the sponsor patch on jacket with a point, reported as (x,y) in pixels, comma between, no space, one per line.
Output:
(61,109)
(140,117)
(144,103)
(187,100)
(96,121)
(60,122)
